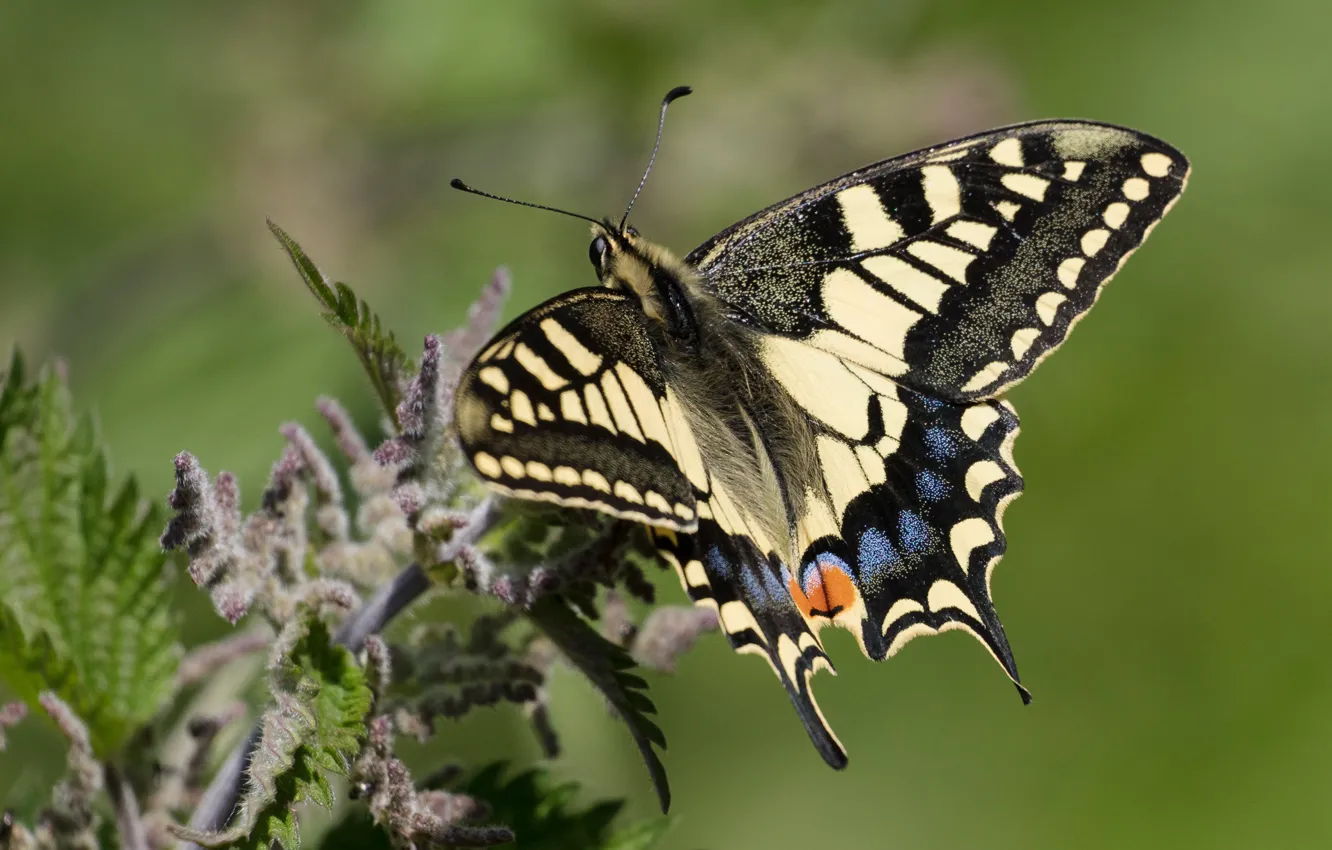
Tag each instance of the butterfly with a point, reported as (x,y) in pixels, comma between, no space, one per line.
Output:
(807,410)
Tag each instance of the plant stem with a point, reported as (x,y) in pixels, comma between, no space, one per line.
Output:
(129,823)
(219,800)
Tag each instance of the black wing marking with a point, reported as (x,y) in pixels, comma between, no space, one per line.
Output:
(954,270)
(569,404)
(751,593)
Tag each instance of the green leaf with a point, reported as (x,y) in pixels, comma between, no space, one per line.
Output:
(543,815)
(29,666)
(640,836)
(604,664)
(321,703)
(89,600)
(382,358)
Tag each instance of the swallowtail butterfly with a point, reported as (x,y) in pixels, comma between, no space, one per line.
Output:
(806,410)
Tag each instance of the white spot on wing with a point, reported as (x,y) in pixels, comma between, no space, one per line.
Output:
(597,411)
(1094,240)
(1022,340)
(1007,209)
(596,480)
(1136,189)
(494,377)
(1028,185)
(628,492)
(486,465)
(986,376)
(1116,214)
(571,407)
(521,406)
(1156,164)
(619,407)
(942,192)
(695,575)
(736,618)
(644,403)
(866,220)
(921,287)
(578,355)
(972,232)
(1073,170)
(944,594)
(1048,304)
(980,475)
(540,369)
(947,259)
(900,609)
(1069,270)
(976,419)
(1008,152)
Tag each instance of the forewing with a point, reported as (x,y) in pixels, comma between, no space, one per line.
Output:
(569,404)
(954,270)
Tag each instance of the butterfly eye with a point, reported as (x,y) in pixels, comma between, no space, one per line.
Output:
(597,252)
(632,231)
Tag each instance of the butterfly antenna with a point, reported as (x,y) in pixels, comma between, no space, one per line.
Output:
(463,187)
(673,94)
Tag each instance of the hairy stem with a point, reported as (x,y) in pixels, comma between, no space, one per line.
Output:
(129,823)
(219,800)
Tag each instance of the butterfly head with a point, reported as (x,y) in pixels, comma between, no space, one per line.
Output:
(625,261)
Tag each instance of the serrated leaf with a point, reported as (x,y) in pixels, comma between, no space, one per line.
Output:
(639,836)
(543,815)
(382,358)
(604,663)
(316,725)
(30,665)
(80,567)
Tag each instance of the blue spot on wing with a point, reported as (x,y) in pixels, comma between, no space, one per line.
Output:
(718,563)
(940,443)
(931,485)
(754,589)
(876,554)
(913,532)
(928,403)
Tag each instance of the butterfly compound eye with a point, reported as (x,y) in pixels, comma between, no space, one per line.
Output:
(597,252)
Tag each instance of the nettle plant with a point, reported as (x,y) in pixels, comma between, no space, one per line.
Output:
(311,579)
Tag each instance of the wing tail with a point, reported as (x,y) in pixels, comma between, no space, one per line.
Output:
(754,606)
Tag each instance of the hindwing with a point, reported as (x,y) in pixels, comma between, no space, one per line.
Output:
(749,590)
(956,269)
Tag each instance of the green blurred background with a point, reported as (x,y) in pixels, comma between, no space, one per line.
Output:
(1167,585)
